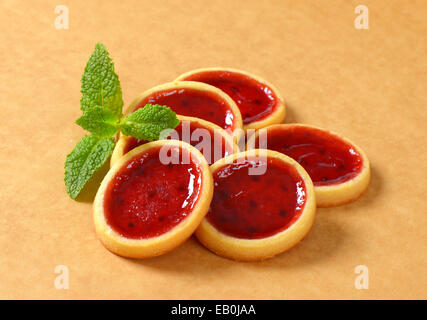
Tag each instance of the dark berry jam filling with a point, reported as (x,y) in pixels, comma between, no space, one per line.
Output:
(211,144)
(195,103)
(256,206)
(255,100)
(327,158)
(147,198)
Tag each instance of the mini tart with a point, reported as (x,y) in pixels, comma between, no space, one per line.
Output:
(255,217)
(185,131)
(145,208)
(259,101)
(194,99)
(338,168)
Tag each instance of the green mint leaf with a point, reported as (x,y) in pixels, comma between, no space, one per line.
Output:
(148,122)
(100,84)
(88,156)
(100,121)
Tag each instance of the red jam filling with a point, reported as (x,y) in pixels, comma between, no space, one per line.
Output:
(327,158)
(147,198)
(256,206)
(255,100)
(212,145)
(194,103)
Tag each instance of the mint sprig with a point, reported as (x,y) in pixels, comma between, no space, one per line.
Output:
(100,121)
(102,105)
(147,123)
(100,84)
(88,156)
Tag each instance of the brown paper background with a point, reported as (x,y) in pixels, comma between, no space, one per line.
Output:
(369,85)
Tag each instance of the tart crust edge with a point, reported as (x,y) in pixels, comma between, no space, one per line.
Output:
(260,249)
(200,86)
(143,248)
(276,117)
(340,193)
(118,151)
